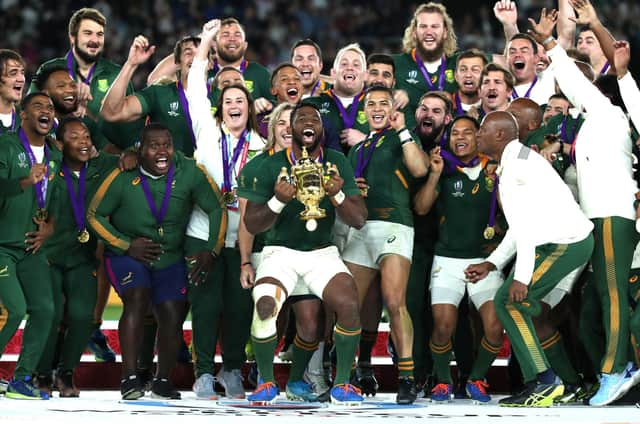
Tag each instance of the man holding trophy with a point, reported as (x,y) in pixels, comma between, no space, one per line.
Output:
(294,197)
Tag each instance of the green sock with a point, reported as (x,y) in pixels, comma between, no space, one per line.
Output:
(558,358)
(486,355)
(405,367)
(302,353)
(441,358)
(264,350)
(346,341)
(367,341)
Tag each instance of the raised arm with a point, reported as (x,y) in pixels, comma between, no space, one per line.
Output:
(566,25)
(587,16)
(117,106)
(427,195)
(628,87)
(413,157)
(166,68)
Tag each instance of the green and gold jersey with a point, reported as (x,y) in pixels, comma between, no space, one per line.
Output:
(15,122)
(409,77)
(64,249)
(119,211)
(333,120)
(17,207)
(161,103)
(289,230)
(389,194)
(105,72)
(463,208)
(257,79)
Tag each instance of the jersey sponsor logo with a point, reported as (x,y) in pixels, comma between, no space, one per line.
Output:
(4,272)
(475,188)
(412,77)
(173,109)
(103,85)
(633,279)
(391,239)
(448,75)
(135,181)
(361,118)
(22,160)
(457,186)
(249,85)
(127,278)
(324,108)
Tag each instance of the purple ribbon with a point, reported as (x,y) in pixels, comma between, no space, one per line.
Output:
(243,66)
(227,165)
(292,157)
(459,109)
(158,215)
(605,69)
(72,71)
(315,87)
(185,109)
(494,202)
(425,73)
(452,162)
(514,93)
(348,118)
(77,200)
(41,186)
(363,160)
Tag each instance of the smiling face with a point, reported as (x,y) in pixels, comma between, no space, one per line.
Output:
(494,91)
(522,60)
(230,42)
(306,59)
(12,81)
(380,73)
(378,106)
(282,131)
(468,73)
(235,109)
(287,85)
(38,115)
(349,73)
(156,152)
(430,33)
(307,127)
(62,90)
(588,44)
(229,77)
(431,117)
(88,43)
(463,141)
(76,142)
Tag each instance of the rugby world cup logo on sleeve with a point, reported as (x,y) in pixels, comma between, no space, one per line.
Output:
(173,109)
(412,77)
(22,160)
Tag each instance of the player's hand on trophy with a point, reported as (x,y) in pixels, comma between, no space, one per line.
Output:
(284,191)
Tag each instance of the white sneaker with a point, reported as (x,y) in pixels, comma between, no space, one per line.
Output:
(316,381)
(203,387)
(232,383)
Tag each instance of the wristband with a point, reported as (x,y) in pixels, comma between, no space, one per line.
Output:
(339,197)
(245,264)
(275,205)
(405,136)
(548,40)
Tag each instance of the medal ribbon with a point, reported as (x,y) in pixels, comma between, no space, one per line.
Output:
(187,115)
(363,160)
(315,87)
(425,73)
(459,110)
(40,186)
(72,71)
(605,69)
(158,215)
(229,166)
(494,202)
(514,93)
(77,200)
(292,157)
(348,118)
(452,163)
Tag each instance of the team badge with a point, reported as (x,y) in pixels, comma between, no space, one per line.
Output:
(361,118)
(22,160)
(448,74)
(135,181)
(457,186)
(412,77)
(103,85)
(249,85)
(391,239)
(173,109)
(213,110)
(488,182)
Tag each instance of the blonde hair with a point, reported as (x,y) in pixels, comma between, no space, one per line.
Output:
(355,47)
(274,116)
(409,38)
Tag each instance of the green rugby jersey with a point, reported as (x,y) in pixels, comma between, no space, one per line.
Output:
(257,79)
(289,230)
(15,122)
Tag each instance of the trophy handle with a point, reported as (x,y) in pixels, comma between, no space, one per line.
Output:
(283,175)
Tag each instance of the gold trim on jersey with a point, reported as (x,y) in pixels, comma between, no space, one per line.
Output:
(91,214)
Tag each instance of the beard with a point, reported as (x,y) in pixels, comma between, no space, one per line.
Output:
(428,139)
(86,56)
(430,55)
(61,107)
(230,58)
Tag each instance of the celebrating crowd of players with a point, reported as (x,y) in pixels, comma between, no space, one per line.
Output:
(469,194)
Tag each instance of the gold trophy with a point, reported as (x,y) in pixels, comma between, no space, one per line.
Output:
(308,177)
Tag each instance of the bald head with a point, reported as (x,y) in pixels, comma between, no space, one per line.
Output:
(496,131)
(528,115)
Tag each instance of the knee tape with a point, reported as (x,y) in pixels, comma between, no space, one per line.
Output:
(262,329)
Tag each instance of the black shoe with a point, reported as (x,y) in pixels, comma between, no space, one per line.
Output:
(325,397)
(163,389)
(145,377)
(534,395)
(364,378)
(184,356)
(407,392)
(131,388)
(64,383)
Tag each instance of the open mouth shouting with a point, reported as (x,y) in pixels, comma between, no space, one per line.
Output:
(45,122)
(292,94)
(162,162)
(308,135)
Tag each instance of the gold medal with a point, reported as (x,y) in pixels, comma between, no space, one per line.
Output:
(229,197)
(489,183)
(161,231)
(83,236)
(489,233)
(42,214)
(364,191)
